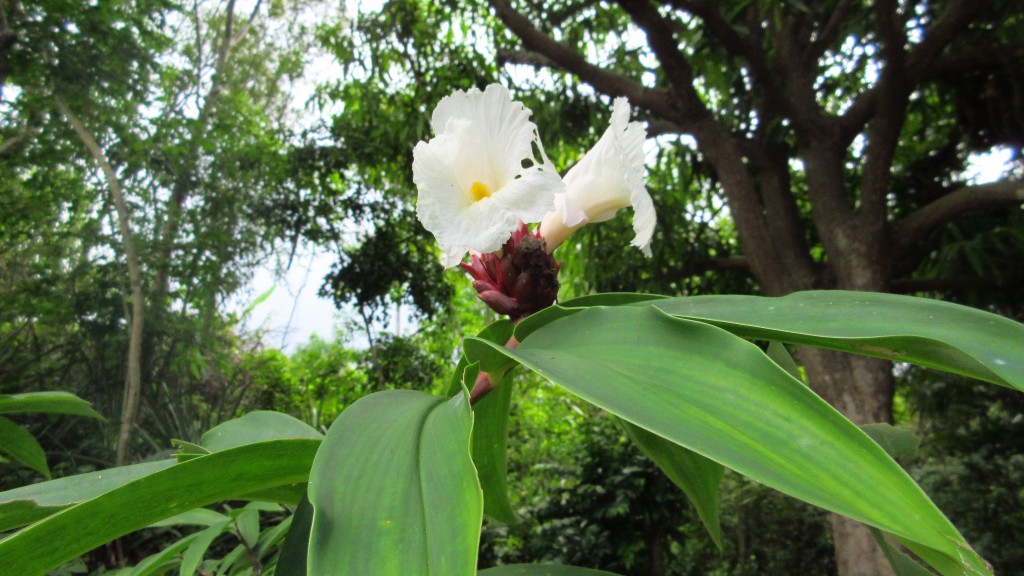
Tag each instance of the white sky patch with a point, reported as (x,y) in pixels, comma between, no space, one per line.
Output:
(988,167)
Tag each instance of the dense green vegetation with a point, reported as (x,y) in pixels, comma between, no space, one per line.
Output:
(154,154)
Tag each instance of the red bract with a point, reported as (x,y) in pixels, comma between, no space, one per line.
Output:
(520,279)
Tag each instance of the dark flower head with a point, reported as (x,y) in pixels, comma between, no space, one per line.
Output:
(518,280)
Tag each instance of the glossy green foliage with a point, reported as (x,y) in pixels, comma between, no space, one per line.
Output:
(18,444)
(259,426)
(921,331)
(27,504)
(490,423)
(278,466)
(721,397)
(47,403)
(394,490)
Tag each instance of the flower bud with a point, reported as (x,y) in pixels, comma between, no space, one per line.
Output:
(518,280)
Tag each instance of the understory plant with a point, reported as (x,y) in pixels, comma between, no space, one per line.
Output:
(401,481)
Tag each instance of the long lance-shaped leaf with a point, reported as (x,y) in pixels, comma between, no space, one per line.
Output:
(926,332)
(720,396)
(490,423)
(21,446)
(490,450)
(27,504)
(46,402)
(229,474)
(394,491)
(258,426)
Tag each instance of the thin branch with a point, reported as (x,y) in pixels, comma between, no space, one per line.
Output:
(656,100)
(10,143)
(133,388)
(248,24)
(957,16)
(915,226)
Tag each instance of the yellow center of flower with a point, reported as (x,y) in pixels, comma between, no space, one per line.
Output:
(478,191)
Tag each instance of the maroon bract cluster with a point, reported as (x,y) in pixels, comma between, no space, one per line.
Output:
(520,279)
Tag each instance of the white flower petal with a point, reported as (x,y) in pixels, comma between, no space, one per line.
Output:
(472,188)
(608,178)
(496,130)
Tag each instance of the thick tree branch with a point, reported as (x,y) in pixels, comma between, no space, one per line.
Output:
(957,16)
(133,386)
(799,73)
(657,101)
(914,227)
(525,57)
(884,132)
(661,38)
(830,31)
(746,47)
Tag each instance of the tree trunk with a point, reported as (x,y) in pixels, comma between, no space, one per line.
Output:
(861,388)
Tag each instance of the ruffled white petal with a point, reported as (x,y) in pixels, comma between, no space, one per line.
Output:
(482,140)
(611,176)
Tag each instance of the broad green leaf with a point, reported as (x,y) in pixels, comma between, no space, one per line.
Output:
(927,332)
(542,318)
(720,396)
(224,475)
(46,402)
(28,504)
(490,450)
(570,307)
(187,450)
(490,430)
(394,491)
(541,570)
(254,427)
(698,477)
(20,446)
(194,554)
